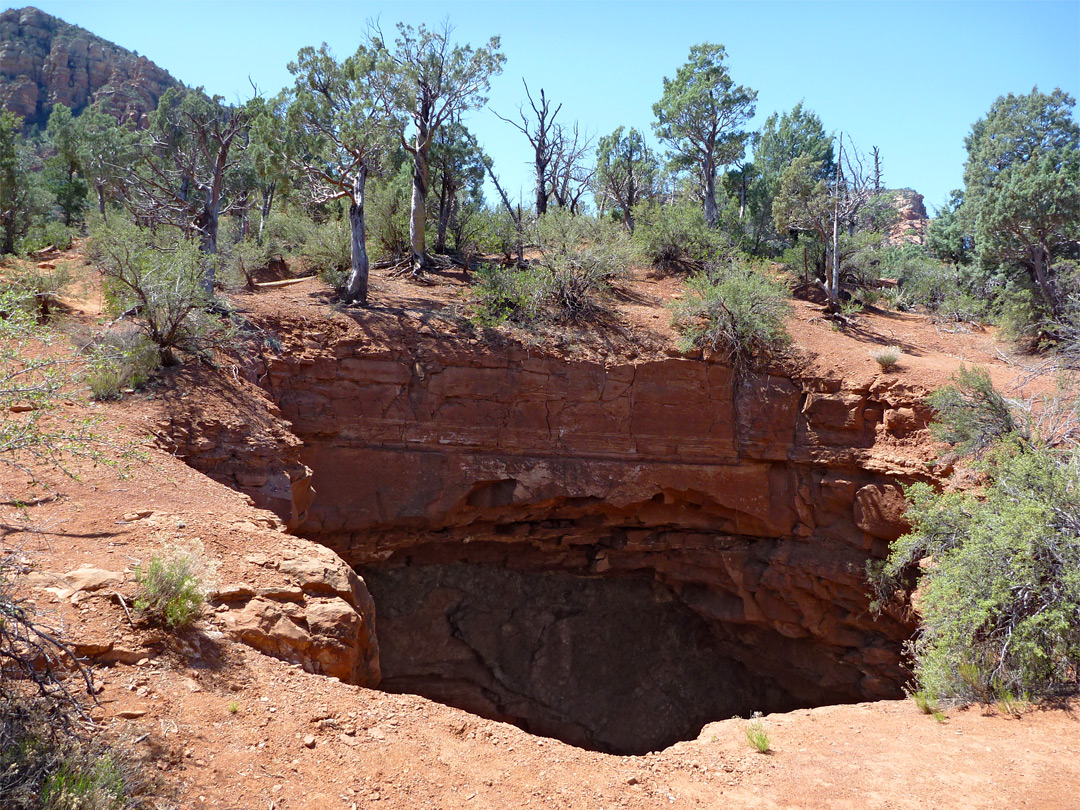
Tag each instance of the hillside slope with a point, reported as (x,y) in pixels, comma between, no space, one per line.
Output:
(229,727)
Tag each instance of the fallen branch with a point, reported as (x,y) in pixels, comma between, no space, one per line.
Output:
(283,283)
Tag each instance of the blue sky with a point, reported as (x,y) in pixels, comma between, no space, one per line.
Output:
(908,77)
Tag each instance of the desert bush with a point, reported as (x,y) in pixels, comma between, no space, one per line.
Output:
(804,259)
(579,257)
(998,572)
(173,587)
(119,360)
(329,251)
(287,230)
(671,235)
(41,286)
(505,293)
(886,357)
(942,290)
(733,310)
(387,210)
(239,260)
(1000,597)
(32,378)
(971,414)
(45,233)
(161,280)
(894,298)
(498,233)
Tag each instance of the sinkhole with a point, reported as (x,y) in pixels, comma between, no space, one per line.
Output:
(618,664)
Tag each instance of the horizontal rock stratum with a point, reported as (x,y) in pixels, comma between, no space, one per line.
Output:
(514,511)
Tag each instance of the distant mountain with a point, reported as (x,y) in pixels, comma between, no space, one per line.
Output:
(45,61)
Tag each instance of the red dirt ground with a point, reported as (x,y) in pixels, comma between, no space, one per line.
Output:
(228,727)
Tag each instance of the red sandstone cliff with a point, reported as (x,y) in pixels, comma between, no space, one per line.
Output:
(45,61)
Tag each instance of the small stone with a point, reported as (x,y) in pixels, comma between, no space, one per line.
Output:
(309,741)
(633,780)
(234,592)
(131,714)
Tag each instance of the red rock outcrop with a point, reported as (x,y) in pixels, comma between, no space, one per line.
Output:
(247,446)
(912,220)
(45,61)
(754,504)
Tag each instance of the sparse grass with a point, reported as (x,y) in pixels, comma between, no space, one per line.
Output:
(756,735)
(927,705)
(853,306)
(887,357)
(118,362)
(172,588)
(1008,703)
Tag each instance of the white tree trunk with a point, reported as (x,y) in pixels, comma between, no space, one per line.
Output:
(710,194)
(418,218)
(356,288)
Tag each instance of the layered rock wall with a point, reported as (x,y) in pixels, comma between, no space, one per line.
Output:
(754,503)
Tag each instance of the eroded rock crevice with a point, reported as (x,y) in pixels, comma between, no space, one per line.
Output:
(534,527)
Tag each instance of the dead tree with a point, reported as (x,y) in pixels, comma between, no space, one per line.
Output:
(570,175)
(541,134)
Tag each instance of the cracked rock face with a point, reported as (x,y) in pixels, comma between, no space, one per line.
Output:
(490,485)
(45,61)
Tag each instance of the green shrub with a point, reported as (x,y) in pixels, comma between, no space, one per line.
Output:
(172,588)
(84,786)
(387,210)
(329,250)
(894,298)
(43,768)
(47,757)
(735,311)
(971,414)
(803,259)
(47,233)
(943,290)
(503,293)
(42,286)
(672,235)
(498,233)
(161,280)
(579,257)
(120,360)
(756,735)
(1000,597)
(287,229)
(240,259)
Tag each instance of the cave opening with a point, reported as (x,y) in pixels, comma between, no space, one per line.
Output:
(619,664)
